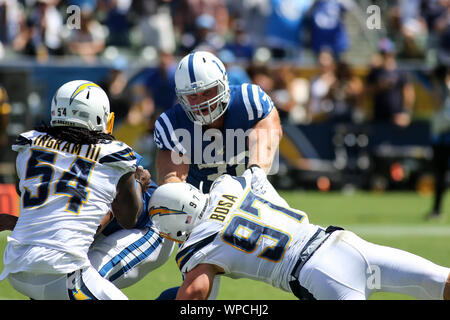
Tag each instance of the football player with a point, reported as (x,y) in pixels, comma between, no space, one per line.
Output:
(216,128)
(70,175)
(125,256)
(238,233)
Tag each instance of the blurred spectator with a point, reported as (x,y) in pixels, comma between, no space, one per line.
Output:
(40,34)
(336,94)
(139,117)
(115,86)
(435,13)
(260,75)
(27,41)
(319,105)
(187,24)
(186,13)
(155,24)
(6,172)
(136,129)
(253,15)
(408,29)
(11,16)
(117,21)
(146,147)
(5,111)
(298,89)
(206,38)
(440,137)
(346,93)
(327,27)
(282,94)
(442,33)
(284,27)
(49,21)
(240,45)
(158,82)
(88,41)
(236,73)
(83,4)
(289,92)
(390,89)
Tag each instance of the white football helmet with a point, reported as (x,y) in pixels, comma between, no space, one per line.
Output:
(176,208)
(84,104)
(197,72)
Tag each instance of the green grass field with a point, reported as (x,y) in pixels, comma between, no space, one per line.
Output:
(395,219)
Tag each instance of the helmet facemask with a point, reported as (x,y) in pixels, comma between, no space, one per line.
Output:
(215,106)
(110,123)
(197,72)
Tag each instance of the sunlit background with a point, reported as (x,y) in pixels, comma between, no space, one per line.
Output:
(362,88)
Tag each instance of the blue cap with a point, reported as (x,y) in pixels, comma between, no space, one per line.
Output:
(205,21)
(120,63)
(385,45)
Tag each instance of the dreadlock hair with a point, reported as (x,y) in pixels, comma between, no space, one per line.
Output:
(75,134)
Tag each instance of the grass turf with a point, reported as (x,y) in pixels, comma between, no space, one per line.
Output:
(395,219)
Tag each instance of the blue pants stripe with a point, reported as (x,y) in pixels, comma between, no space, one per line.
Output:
(125,252)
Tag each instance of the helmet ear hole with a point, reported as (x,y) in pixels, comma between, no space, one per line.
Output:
(99,121)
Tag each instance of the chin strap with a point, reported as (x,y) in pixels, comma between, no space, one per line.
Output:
(110,123)
(165,235)
(200,216)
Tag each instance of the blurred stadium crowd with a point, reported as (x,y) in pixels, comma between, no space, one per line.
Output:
(318,59)
(43,28)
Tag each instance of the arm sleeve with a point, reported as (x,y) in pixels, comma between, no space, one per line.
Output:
(215,288)
(257,103)
(120,156)
(164,135)
(23,141)
(160,137)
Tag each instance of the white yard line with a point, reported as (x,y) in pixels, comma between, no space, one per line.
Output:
(4,234)
(399,230)
(393,230)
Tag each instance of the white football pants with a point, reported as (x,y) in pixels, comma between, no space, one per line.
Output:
(126,256)
(118,261)
(348,267)
(83,284)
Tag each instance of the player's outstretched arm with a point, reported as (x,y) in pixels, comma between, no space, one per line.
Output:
(127,205)
(168,171)
(264,140)
(198,282)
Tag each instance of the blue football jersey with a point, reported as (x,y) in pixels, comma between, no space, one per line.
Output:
(212,152)
(143,220)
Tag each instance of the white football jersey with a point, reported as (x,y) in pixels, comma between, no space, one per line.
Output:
(247,235)
(66,189)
